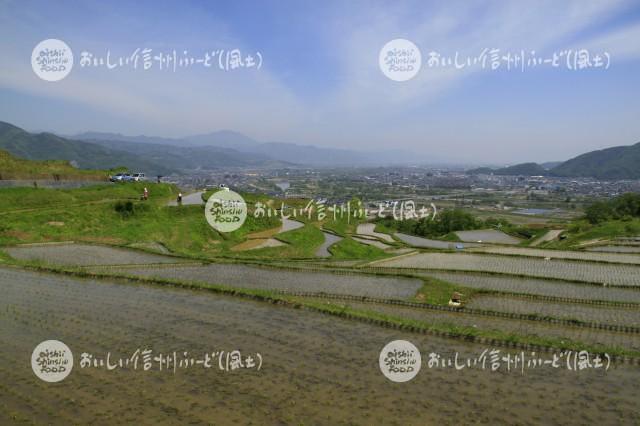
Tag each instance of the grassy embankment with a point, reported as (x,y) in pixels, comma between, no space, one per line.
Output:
(114,214)
(20,169)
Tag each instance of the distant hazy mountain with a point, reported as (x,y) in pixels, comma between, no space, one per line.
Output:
(551,164)
(275,151)
(620,162)
(188,158)
(47,146)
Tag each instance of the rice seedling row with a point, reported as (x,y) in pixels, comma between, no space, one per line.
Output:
(563,254)
(602,315)
(538,287)
(523,328)
(244,276)
(86,254)
(615,249)
(325,389)
(599,273)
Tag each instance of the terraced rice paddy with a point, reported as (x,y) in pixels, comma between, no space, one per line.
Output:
(615,249)
(257,243)
(329,240)
(316,369)
(610,274)
(84,255)
(487,236)
(563,254)
(290,225)
(245,276)
(602,315)
(369,229)
(428,243)
(540,329)
(374,243)
(539,287)
(549,236)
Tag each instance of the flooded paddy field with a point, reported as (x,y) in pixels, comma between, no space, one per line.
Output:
(487,236)
(539,287)
(329,240)
(611,274)
(588,336)
(245,276)
(564,254)
(316,369)
(615,249)
(85,255)
(598,314)
(421,242)
(369,229)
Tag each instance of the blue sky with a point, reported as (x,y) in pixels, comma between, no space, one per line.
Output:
(321,83)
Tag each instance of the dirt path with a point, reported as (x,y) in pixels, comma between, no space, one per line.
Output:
(194,198)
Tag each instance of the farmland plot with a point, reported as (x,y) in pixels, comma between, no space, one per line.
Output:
(85,254)
(611,274)
(602,315)
(563,254)
(369,229)
(615,249)
(329,240)
(245,276)
(487,236)
(507,325)
(316,368)
(421,242)
(538,287)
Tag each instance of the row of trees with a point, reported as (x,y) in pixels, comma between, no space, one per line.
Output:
(446,222)
(626,206)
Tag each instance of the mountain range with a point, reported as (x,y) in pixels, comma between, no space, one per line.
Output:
(163,156)
(235,142)
(616,163)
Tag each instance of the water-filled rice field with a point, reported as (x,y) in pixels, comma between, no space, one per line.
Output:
(487,236)
(369,229)
(85,254)
(615,249)
(539,287)
(589,336)
(586,313)
(564,254)
(317,369)
(245,276)
(612,274)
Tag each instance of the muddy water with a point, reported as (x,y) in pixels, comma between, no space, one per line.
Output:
(86,254)
(316,369)
(245,276)
(584,335)
(599,314)
(329,240)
